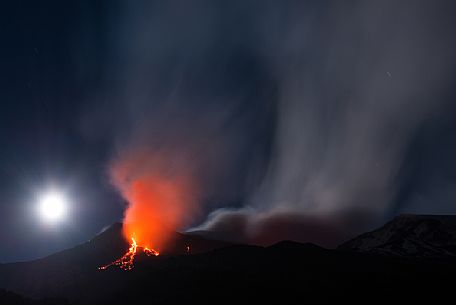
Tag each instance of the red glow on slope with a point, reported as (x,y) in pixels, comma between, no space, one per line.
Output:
(126,262)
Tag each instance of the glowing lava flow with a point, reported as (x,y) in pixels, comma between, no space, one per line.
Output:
(150,252)
(126,262)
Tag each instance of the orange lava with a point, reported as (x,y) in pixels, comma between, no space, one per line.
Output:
(126,262)
(150,252)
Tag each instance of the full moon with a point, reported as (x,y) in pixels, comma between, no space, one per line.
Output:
(52,206)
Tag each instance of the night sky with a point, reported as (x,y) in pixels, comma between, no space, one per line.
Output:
(314,119)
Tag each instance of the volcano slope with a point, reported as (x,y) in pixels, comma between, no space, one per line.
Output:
(410,235)
(216,272)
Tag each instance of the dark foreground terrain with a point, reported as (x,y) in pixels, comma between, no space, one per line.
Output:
(218,273)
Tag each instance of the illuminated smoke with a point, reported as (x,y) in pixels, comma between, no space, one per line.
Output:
(160,195)
(355,84)
(342,89)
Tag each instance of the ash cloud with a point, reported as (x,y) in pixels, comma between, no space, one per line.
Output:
(355,83)
(185,87)
(296,116)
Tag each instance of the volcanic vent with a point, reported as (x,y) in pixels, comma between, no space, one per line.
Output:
(179,244)
(161,196)
(126,262)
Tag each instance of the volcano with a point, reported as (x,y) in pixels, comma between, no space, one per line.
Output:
(69,273)
(219,272)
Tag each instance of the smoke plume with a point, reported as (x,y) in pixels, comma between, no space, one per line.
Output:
(355,82)
(161,195)
(275,119)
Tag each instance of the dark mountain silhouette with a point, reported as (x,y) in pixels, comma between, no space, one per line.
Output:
(410,235)
(64,273)
(215,272)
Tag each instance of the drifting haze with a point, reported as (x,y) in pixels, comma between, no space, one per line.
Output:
(355,83)
(295,118)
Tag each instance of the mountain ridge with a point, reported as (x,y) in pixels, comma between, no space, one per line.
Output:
(409,235)
(285,272)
